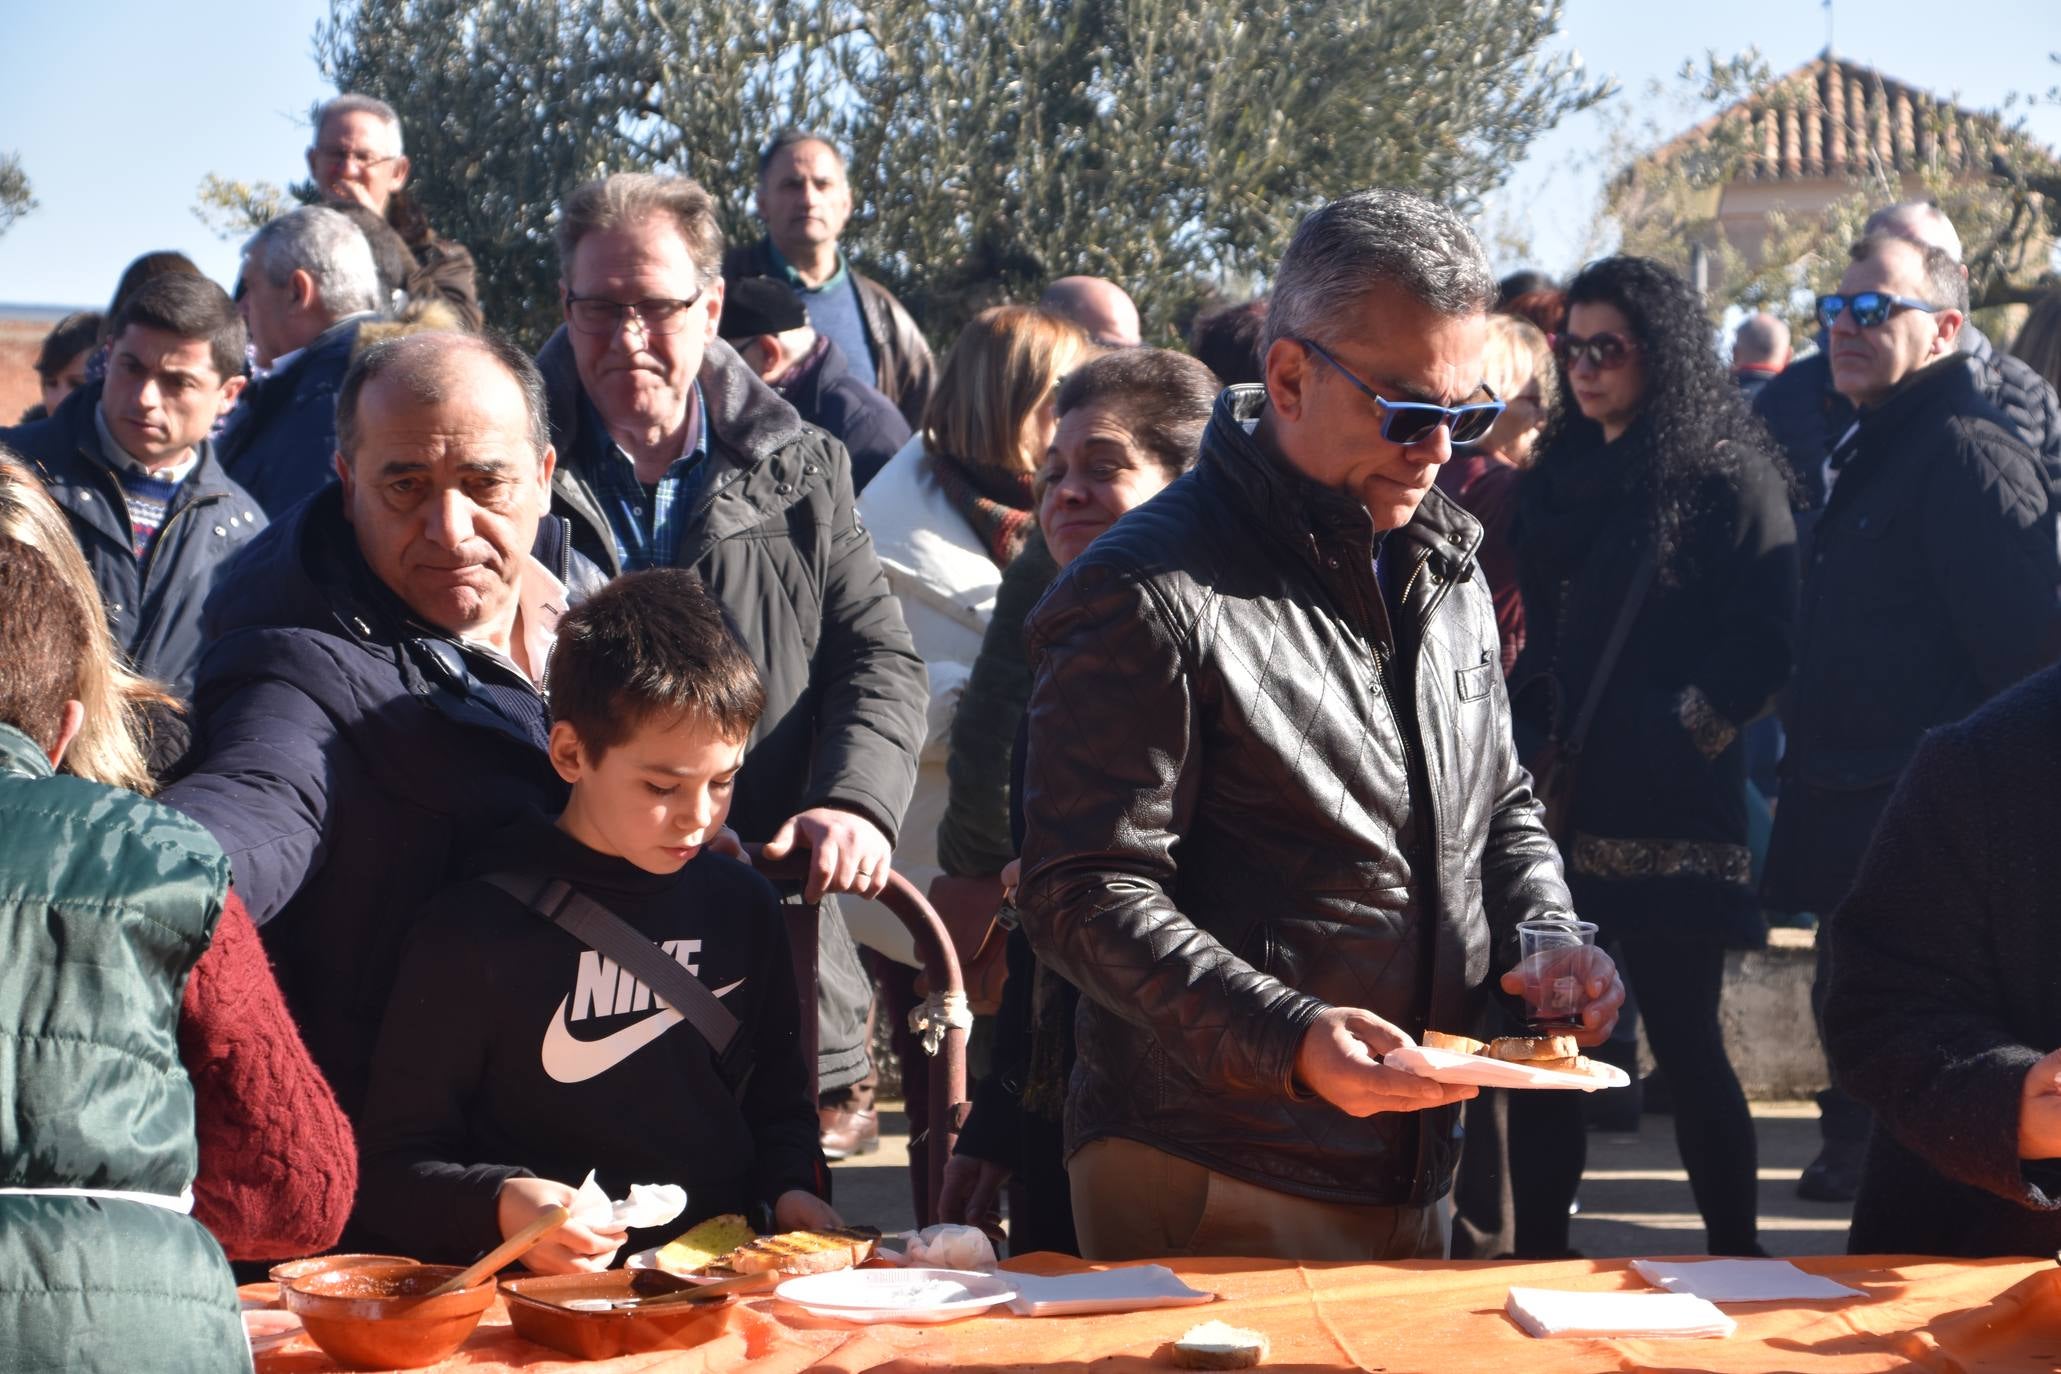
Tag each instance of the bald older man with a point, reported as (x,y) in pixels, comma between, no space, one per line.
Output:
(369,706)
(1760,350)
(1099,306)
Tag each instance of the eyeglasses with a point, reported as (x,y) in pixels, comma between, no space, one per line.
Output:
(355,157)
(595,315)
(1869,308)
(1606,352)
(1413,422)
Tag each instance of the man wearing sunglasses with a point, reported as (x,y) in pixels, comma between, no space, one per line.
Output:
(1930,587)
(1276,828)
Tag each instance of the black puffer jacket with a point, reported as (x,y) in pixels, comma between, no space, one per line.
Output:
(1249,798)
(1931,586)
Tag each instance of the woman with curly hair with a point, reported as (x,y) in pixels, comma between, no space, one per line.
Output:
(1657,557)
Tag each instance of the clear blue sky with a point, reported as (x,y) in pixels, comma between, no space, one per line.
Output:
(119,108)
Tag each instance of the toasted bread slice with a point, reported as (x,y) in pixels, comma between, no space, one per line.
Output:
(704,1244)
(1532,1049)
(1459,1044)
(805,1252)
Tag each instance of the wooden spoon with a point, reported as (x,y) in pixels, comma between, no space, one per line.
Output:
(503,1254)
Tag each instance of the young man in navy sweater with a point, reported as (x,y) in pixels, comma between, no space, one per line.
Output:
(514,1058)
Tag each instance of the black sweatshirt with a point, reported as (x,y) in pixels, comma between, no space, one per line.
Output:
(510,1048)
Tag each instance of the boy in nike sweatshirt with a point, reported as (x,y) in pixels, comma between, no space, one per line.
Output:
(514,1058)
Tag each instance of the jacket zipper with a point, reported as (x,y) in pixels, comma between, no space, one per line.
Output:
(158,542)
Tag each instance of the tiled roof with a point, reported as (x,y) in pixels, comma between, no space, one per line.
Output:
(1833,118)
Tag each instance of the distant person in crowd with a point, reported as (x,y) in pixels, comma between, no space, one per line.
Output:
(130,461)
(1930,589)
(109,902)
(2038,344)
(673,454)
(1808,412)
(1760,350)
(1129,424)
(489,1106)
(1941,1015)
(1266,737)
(149,265)
(948,514)
(357,159)
(277,1166)
(1227,340)
(369,706)
(767,325)
(1652,498)
(309,283)
(1546,308)
(1525,281)
(396,267)
(1517,364)
(61,361)
(1103,310)
(805,200)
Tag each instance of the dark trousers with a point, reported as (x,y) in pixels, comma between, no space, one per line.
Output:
(1679,984)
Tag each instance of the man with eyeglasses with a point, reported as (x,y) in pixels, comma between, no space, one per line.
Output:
(1276,827)
(1930,587)
(356,159)
(674,454)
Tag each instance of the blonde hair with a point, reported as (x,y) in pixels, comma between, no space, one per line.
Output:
(1516,352)
(109,747)
(1003,365)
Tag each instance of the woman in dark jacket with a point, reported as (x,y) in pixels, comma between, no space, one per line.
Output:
(1130,422)
(1655,497)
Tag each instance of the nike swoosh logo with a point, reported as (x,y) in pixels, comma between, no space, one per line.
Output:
(567,1060)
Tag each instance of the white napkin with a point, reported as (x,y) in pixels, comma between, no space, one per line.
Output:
(949,1247)
(1130,1289)
(1545,1312)
(1741,1280)
(649,1204)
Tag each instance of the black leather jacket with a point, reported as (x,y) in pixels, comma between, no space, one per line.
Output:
(1250,797)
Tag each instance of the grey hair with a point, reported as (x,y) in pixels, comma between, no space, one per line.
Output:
(420,363)
(624,199)
(1342,250)
(329,248)
(359,104)
(1946,283)
(1921,221)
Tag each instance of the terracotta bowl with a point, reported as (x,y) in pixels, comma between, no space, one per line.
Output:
(283,1274)
(536,1308)
(377,1318)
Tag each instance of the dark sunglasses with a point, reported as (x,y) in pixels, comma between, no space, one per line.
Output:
(1413,422)
(1869,308)
(1606,352)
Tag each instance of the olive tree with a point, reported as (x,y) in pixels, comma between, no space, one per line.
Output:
(16,199)
(992,146)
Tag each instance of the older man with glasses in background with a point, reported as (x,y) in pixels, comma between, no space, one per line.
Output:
(1276,828)
(1929,589)
(357,159)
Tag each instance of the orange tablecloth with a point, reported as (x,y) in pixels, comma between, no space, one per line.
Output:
(1947,1317)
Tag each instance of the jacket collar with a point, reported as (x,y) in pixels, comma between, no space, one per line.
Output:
(20,757)
(1310,515)
(1951,384)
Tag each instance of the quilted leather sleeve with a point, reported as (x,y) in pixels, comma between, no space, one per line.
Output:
(1110,789)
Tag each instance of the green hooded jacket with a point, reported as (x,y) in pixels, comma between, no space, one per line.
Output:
(107,901)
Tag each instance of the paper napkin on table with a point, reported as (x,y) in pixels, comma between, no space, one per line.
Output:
(1741,1280)
(1544,1312)
(1133,1288)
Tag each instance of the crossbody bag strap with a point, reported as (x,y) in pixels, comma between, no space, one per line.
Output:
(600,929)
(1634,599)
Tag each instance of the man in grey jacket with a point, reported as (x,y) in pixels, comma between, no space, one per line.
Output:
(672,453)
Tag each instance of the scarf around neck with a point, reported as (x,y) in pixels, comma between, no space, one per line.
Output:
(997,506)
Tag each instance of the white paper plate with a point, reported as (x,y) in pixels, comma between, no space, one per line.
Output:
(648,1259)
(1451,1066)
(269,1328)
(896,1295)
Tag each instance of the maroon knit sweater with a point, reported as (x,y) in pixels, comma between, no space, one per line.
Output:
(278,1165)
